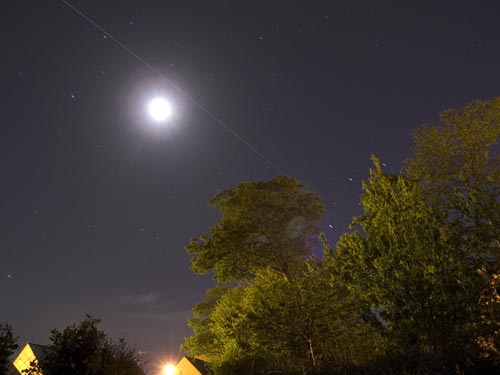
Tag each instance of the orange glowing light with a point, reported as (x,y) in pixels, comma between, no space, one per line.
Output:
(169,369)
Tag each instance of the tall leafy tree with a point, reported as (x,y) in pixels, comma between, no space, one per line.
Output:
(406,262)
(427,244)
(8,345)
(459,163)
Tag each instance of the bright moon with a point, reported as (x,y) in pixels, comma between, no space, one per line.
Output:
(169,369)
(159,109)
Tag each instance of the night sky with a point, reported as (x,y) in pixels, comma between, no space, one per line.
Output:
(97,202)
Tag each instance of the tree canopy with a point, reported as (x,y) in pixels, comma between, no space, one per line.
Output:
(427,248)
(413,288)
(406,262)
(263,224)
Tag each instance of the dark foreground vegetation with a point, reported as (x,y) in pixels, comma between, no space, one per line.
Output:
(413,288)
(8,346)
(80,349)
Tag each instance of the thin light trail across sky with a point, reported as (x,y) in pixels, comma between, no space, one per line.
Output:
(189,97)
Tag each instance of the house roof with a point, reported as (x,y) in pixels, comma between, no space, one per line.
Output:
(30,352)
(40,351)
(199,365)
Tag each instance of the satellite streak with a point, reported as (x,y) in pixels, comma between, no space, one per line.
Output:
(217,119)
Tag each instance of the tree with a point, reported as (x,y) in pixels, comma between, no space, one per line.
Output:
(263,224)
(427,244)
(85,350)
(8,345)
(408,264)
(459,165)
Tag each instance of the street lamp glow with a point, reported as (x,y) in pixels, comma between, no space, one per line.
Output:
(169,369)
(159,109)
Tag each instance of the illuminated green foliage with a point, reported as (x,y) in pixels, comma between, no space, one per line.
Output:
(263,224)
(458,163)
(427,243)
(308,325)
(202,343)
(406,262)
(286,312)
(272,324)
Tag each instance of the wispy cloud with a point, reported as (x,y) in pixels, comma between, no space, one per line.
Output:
(138,299)
(151,306)
(170,316)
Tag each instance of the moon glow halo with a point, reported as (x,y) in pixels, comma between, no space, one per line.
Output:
(159,109)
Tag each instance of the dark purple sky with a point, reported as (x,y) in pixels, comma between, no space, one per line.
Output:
(96,207)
